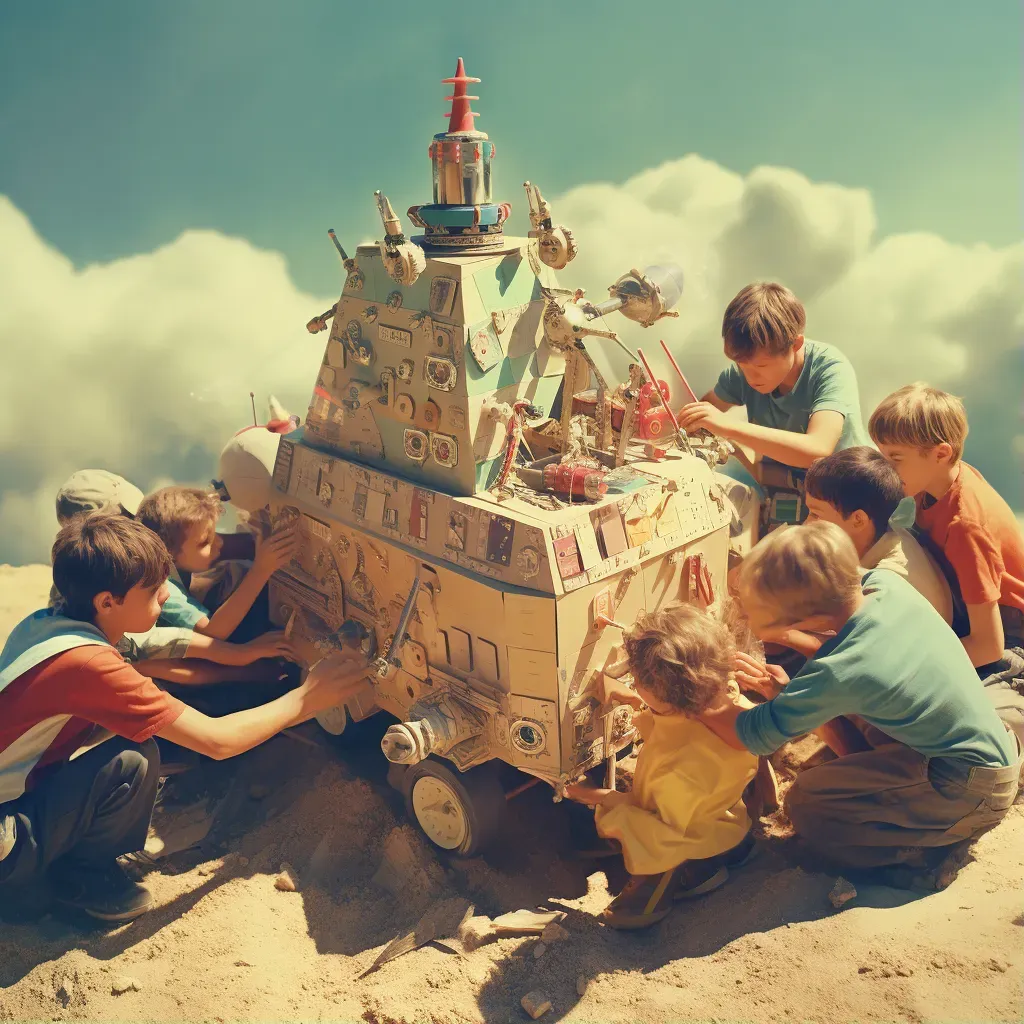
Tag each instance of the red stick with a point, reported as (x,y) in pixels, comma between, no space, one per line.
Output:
(675,366)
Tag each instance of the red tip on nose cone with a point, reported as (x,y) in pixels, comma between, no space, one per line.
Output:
(461,117)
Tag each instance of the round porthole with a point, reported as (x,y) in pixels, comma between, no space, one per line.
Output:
(528,737)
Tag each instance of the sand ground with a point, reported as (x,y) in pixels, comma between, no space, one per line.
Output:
(226,945)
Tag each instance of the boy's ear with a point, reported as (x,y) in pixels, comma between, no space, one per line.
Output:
(798,343)
(943,452)
(104,601)
(859,518)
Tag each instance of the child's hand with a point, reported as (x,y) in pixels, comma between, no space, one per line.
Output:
(270,645)
(699,415)
(332,680)
(611,691)
(750,673)
(275,552)
(595,797)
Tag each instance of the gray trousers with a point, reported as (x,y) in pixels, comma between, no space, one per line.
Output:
(88,811)
(890,804)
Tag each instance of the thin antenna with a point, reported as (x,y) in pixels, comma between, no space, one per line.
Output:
(252,398)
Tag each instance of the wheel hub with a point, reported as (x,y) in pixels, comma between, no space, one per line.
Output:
(439,812)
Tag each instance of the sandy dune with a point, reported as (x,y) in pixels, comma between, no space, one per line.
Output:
(226,945)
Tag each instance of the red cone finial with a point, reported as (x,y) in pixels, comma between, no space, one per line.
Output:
(460,117)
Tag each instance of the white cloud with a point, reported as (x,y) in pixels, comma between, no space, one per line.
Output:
(903,307)
(144,365)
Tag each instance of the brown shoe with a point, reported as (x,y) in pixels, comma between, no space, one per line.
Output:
(645,900)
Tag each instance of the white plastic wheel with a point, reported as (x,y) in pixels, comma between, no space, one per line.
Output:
(333,720)
(439,811)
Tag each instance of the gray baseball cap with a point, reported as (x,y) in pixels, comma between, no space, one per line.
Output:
(91,490)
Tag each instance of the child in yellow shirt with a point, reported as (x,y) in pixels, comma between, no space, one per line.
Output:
(684,822)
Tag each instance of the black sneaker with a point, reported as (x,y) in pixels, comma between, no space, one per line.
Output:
(697,877)
(743,853)
(106,893)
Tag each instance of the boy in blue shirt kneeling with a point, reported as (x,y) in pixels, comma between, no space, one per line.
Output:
(940,767)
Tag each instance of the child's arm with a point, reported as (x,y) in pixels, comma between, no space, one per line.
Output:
(984,644)
(271,554)
(596,797)
(786,446)
(327,685)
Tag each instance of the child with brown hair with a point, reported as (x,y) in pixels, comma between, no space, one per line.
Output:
(69,805)
(684,822)
(185,519)
(801,396)
(922,431)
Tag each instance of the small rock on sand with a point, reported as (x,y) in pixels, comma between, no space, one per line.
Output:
(536,1004)
(119,986)
(841,894)
(539,950)
(475,932)
(581,985)
(285,881)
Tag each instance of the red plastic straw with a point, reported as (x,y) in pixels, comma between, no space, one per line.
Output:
(682,377)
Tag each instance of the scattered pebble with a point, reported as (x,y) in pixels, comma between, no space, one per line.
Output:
(581,985)
(475,932)
(285,881)
(553,932)
(539,950)
(536,1004)
(841,894)
(119,986)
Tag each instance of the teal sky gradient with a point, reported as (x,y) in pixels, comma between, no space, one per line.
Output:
(124,123)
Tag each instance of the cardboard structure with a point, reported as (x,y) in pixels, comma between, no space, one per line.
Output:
(490,606)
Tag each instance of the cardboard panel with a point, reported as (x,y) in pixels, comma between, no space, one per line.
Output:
(575,613)
(530,622)
(459,656)
(533,673)
(664,576)
(485,661)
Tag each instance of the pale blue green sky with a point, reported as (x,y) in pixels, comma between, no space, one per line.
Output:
(124,123)
(127,124)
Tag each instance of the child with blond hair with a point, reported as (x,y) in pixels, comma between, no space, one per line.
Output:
(684,822)
(941,767)
(922,431)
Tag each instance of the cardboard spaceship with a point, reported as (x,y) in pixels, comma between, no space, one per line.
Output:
(480,509)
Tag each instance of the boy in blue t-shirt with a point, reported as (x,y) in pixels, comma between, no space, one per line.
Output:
(801,396)
(937,765)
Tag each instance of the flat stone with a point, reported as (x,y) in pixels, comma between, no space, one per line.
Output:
(536,1004)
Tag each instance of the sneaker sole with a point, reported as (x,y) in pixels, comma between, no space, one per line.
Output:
(750,855)
(100,915)
(716,881)
(634,924)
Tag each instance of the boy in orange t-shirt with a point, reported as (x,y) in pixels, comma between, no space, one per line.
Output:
(921,430)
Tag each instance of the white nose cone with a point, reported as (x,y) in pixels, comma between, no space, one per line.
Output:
(247,467)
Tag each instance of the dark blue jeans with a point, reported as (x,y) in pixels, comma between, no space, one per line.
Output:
(86,812)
